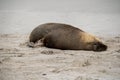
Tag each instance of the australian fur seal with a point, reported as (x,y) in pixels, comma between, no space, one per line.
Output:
(66,37)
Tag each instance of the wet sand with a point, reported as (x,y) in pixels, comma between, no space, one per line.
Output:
(20,62)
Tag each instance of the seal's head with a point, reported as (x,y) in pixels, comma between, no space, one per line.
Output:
(98,46)
(90,42)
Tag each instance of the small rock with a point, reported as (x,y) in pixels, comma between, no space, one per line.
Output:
(47,52)
(44,74)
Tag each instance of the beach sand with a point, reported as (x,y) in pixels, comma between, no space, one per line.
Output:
(20,62)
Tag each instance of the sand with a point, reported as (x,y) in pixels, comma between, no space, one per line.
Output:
(20,62)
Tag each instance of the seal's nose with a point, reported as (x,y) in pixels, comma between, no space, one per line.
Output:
(103,47)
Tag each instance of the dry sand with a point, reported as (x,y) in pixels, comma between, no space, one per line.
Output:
(19,62)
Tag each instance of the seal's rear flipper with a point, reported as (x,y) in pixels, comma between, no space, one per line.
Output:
(39,43)
(30,44)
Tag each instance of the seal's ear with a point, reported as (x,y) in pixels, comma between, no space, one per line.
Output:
(94,46)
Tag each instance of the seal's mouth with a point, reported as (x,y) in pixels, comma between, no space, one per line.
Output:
(99,47)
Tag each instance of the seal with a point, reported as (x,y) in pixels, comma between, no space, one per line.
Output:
(66,37)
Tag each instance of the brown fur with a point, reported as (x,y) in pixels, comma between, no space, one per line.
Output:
(63,36)
(42,30)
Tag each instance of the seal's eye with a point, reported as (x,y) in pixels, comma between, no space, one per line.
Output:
(99,46)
